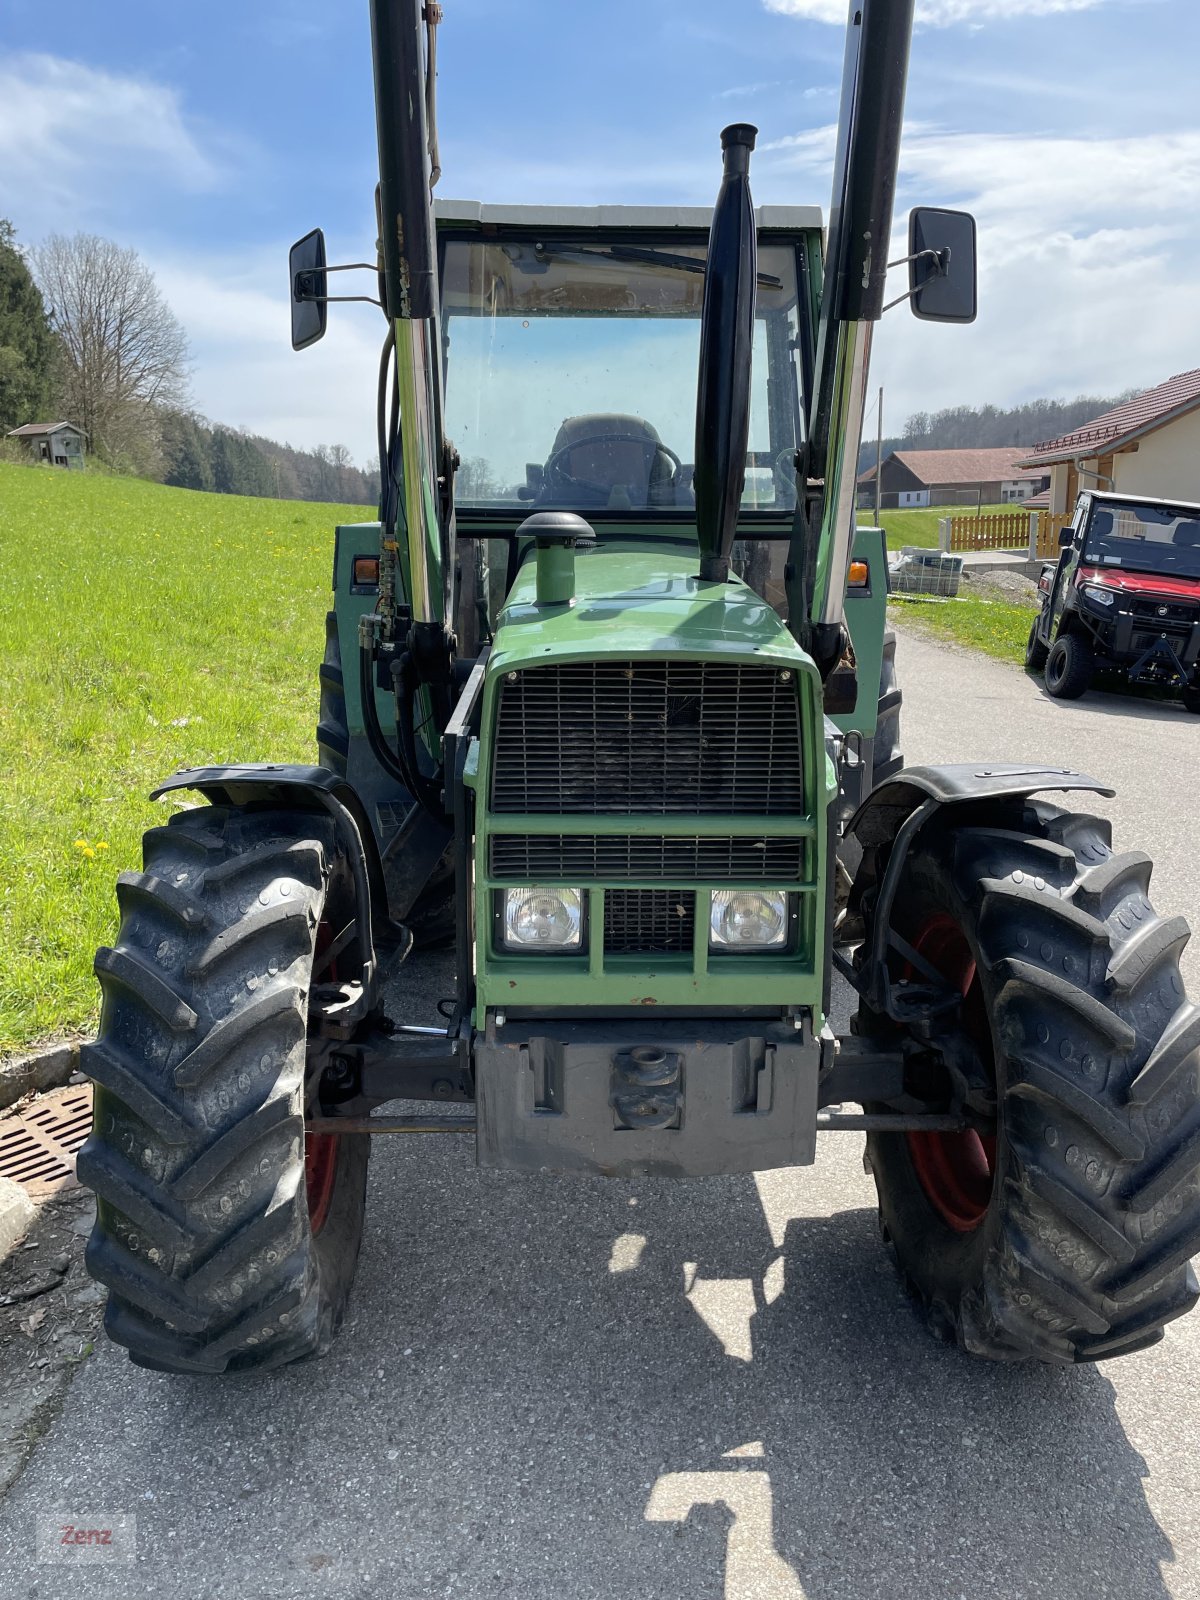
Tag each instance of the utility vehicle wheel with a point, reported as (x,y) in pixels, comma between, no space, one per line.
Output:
(431,919)
(1035,651)
(226,1236)
(1070,667)
(1062,1230)
(1191,698)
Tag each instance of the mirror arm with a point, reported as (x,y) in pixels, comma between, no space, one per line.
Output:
(940,257)
(341,299)
(909,294)
(303,293)
(941,261)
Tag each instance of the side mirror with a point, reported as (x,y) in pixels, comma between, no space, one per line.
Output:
(309,287)
(942,265)
(1066,537)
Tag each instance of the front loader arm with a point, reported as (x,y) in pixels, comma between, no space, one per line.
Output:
(864,186)
(409,248)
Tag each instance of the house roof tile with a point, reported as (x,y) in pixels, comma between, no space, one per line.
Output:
(1123,423)
(998,465)
(29,428)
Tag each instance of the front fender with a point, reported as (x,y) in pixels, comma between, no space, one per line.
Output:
(890,820)
(300,788)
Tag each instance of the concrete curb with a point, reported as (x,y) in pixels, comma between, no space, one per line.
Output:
(17,1212)
(47,1069)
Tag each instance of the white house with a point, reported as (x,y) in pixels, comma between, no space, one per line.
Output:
(1148,445)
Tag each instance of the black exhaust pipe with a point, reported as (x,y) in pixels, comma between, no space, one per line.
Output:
(726,341)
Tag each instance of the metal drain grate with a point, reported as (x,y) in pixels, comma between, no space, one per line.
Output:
(38,1144)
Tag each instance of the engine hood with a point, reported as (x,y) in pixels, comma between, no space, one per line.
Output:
(1150,584)
(635,601)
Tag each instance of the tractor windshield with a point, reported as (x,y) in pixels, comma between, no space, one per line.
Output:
(571,370)
(1145,538)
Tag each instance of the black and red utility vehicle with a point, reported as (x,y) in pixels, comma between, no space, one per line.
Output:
(1124,597)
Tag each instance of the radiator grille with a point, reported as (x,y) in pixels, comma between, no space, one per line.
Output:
(660,737)
(530,858)
(648,921)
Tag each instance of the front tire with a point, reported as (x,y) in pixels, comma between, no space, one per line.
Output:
(1035,651)
(1191,698)
(1062,1230)
(1070,667)
(226,1237)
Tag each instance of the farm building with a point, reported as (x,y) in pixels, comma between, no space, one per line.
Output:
(60,443)
(1148,445)
(951,477)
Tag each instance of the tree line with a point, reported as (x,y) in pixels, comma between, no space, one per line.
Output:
(86,334)
(86,337)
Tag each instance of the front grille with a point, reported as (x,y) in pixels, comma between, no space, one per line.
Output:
(1166,612)
(530,857)
(648,921)
(661,737)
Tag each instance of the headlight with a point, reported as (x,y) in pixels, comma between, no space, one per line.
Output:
(748,919)
(537,918)
(1102,597)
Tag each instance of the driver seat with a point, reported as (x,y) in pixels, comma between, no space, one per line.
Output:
(635,464)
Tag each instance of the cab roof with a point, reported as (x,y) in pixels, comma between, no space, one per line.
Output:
(693,219)
(1109,498)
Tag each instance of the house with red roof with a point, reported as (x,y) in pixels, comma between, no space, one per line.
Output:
(1149,445)
(911,478)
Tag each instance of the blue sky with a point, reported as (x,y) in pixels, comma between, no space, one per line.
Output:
(209,136)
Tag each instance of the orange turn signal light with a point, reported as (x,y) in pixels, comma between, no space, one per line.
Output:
(366,571)
(860,575)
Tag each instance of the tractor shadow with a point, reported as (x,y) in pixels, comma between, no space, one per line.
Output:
(589,1388)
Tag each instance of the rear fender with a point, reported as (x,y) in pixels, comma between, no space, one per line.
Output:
(316,789)
(888,824)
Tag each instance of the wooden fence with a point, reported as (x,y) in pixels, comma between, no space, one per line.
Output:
(1035,532)
(1049,526)
(993,531)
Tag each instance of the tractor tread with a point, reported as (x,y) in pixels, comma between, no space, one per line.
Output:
(1178,1049)
(130,970)
(202,1233)
(1084,1253)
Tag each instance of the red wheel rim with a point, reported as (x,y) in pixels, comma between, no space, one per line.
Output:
(320,1149)
(320,1175)
(956,1170)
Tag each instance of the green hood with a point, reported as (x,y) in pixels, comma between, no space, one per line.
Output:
(634,601)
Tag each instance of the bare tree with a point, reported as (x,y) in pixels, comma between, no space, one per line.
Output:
(124,351)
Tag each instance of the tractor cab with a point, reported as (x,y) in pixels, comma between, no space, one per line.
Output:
(571,344)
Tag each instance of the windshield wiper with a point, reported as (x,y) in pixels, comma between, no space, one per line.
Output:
(645,257)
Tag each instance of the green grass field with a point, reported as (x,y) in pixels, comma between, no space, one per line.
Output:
(993,626)
(145,629)
(921,527)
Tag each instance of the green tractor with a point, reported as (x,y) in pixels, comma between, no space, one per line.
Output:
(608,700)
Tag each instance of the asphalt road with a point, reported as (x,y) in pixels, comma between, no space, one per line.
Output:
(577,1389)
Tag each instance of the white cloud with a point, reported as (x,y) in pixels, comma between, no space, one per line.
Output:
(68,130)
(1086,254)
(937,13)
(245,372)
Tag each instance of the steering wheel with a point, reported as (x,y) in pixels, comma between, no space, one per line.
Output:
(556,472)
